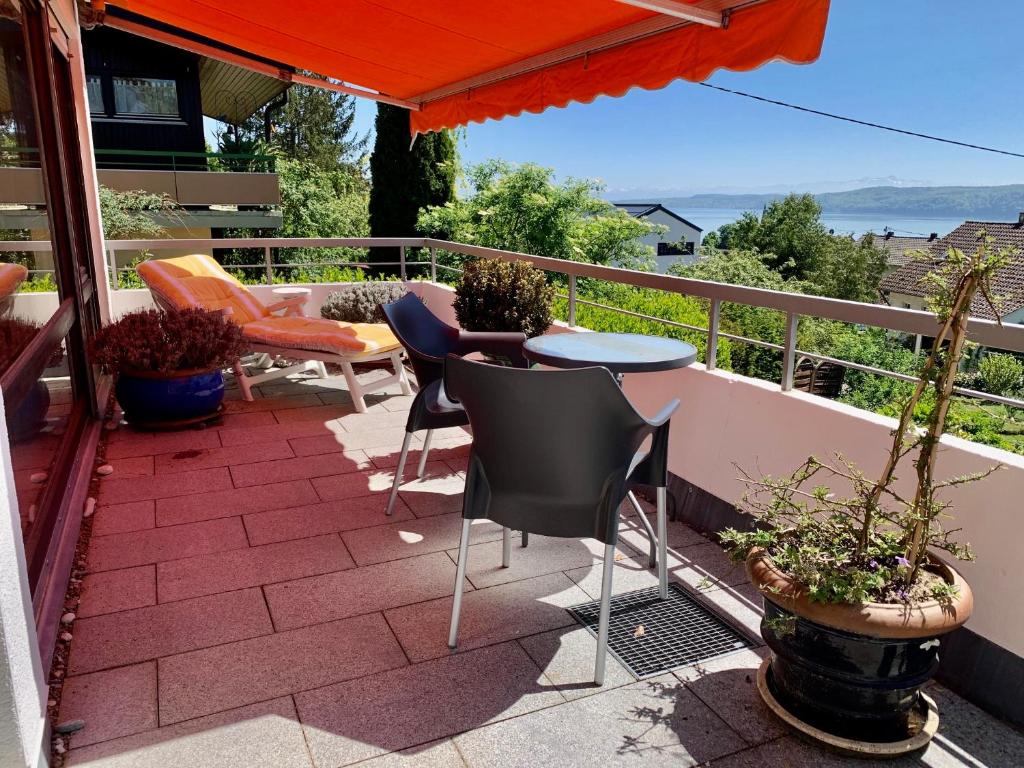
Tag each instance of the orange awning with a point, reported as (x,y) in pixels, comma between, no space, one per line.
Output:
(459,61)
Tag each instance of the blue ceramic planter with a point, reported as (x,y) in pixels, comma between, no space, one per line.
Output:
(150,398)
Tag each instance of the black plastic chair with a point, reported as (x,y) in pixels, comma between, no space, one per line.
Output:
(554,453)
(428,340)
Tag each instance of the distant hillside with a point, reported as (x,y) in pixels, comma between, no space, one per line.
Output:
(996,203)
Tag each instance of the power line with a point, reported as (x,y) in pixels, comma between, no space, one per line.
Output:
(863,122)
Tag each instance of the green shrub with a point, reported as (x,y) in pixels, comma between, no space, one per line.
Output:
(38,284)
(498,295)
(361,303)
(1001,374)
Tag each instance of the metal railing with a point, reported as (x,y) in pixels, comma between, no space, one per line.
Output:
(793,306)
(153,159)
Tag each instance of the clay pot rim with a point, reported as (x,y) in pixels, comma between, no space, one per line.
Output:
(186,373)
(881,620)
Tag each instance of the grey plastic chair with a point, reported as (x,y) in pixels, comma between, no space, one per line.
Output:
(427,340)
(554,453)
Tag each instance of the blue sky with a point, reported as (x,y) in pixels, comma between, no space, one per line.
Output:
(945,67)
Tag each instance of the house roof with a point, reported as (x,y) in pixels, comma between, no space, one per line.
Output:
(642,210)
(899,249)
(1007,283)
(232,94)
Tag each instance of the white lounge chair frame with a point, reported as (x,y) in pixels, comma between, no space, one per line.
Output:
(312,359)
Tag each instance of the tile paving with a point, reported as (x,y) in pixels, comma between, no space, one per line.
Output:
(248,603)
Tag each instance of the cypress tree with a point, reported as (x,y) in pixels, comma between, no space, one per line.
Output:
(406,179)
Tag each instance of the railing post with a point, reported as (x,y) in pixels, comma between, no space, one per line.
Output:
(572,300)
(789,351)
(433,265)
(401,259)
(112,262)
(714,315)
(269,264)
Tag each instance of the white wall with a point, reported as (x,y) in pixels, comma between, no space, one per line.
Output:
(676,232)
(727,420)
(23,688)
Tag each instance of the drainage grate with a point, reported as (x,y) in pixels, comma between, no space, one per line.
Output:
(677,632)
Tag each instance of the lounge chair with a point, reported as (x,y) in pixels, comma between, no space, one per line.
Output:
(199,281)
(11,276)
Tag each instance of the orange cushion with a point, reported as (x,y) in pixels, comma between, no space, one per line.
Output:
(11,276)
(199,281)
(314,333)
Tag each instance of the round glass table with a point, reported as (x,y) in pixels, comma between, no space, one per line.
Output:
(620,353)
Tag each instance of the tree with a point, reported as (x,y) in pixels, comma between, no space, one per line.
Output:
(315,125)
(848,269)
(521,208)
(407,179)
(793,241)
(789,231)
(750,268)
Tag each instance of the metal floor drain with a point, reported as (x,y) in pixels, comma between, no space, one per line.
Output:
(677,632)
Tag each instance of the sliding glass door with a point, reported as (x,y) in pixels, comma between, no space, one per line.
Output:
(48,308)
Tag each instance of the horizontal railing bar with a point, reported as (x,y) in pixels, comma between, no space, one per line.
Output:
(988,333)
(263,242)
(289,265)
(13,246)
(913,321)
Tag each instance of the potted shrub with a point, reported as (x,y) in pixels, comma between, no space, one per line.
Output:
(168,364)
(29,418)
(495,295)
(856,595)
(360,303)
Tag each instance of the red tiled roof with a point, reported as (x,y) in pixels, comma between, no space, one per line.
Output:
(898,249)
(1007,283)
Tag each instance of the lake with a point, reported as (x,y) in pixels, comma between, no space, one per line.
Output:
(843,223)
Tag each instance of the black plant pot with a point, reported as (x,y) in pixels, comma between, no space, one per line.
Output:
(849,685)
(850,675)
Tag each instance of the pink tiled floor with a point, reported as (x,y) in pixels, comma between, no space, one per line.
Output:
(249,604)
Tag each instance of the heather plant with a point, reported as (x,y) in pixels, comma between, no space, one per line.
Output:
(15,335)
(873,544)
(360,303)
(496,295)
(150,340)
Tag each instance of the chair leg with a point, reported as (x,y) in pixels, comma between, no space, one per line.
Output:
(243,380)
(398,474)
(423,455)
(460,578)
(354,389)
(662,494)
(605,615)
(652,557)
(526,538)
(321,369)
(403,378)
(506,547)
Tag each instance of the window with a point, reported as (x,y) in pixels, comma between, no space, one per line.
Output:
(94,93)
(145,97)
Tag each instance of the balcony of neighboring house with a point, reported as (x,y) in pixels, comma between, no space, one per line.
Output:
(147,106)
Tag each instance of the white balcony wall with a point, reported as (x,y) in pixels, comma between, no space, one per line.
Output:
(727,420)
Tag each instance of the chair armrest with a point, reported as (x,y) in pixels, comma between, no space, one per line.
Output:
(292,305)
(508,345)
(653,468)
(664,414)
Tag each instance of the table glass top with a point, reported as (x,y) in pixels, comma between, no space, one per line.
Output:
(613,350)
